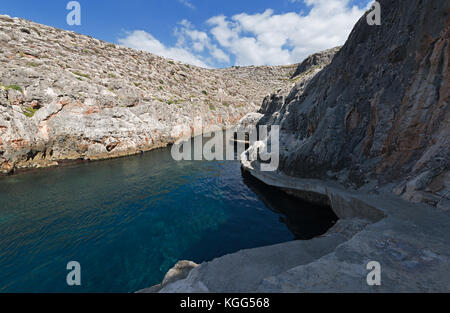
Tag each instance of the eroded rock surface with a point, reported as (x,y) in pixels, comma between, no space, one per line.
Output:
(65,96)
(408,240)
(379,113)
(373,123)
(180,271)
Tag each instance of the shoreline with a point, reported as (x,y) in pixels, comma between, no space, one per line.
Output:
(69,162)
(407,239)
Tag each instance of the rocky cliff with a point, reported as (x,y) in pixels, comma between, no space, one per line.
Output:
(65,96)
(378,115)
(374,121)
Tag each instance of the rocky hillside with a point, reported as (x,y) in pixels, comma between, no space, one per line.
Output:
(379,114)
(65,96)
(375,120)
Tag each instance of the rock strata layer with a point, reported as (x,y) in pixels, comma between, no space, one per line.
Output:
(65,96)
(379,114)
(372,126)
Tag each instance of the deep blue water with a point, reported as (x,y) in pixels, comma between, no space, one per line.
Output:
(127,221)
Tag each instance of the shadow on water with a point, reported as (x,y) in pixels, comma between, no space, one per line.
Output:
(304,219)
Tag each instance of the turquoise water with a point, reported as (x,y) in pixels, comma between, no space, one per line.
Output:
(127,221)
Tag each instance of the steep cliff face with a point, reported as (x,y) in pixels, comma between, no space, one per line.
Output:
(376,119)
(378,115)
(64,96)
(271,105)
(304,73)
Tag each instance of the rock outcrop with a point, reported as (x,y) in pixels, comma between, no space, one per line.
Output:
(371,126)
(379,113)
(180,271)
(65,96)
(408,240)
(272,103)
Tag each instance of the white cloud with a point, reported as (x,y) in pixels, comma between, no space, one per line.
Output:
(187,3)
(142,40)
(274,39)
(199,41)
(257,39)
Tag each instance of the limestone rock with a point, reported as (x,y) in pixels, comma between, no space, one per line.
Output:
(374,121)
(317,60)
(65,96)
(380,111)
(179,272)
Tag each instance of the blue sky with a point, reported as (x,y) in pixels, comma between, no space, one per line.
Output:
(212,33)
